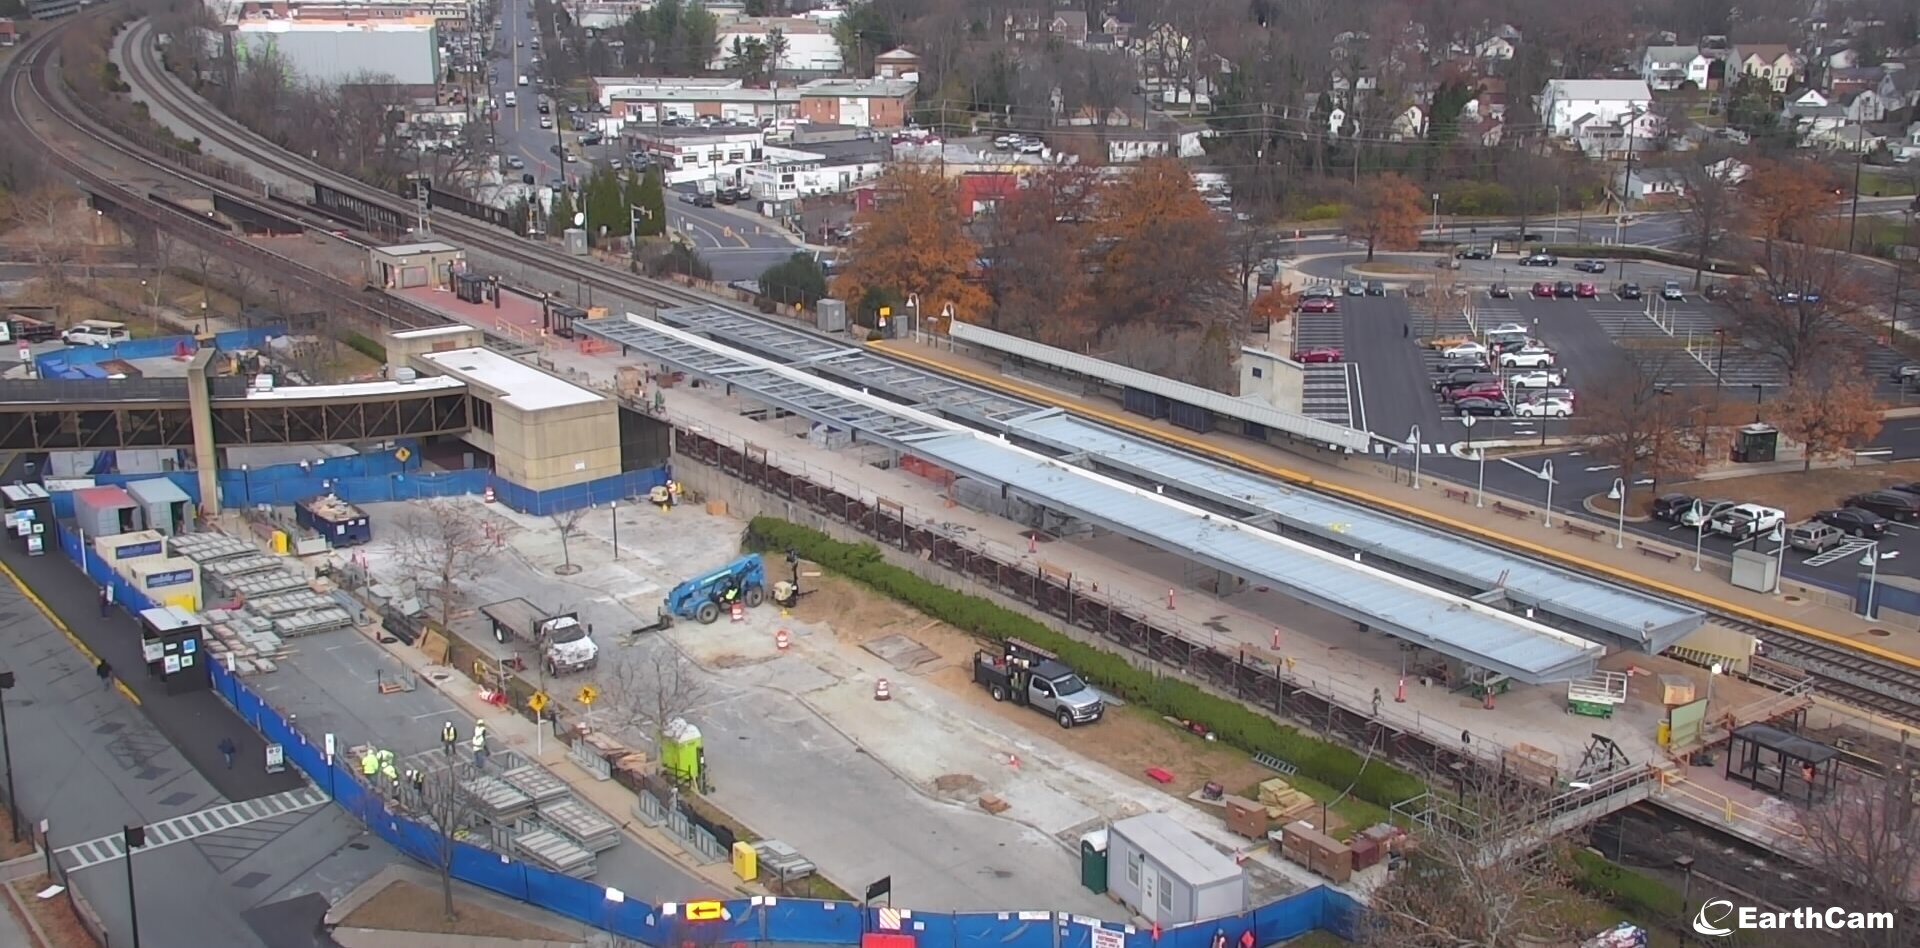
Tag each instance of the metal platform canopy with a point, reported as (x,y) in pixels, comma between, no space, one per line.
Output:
(931,391)
(1628,618)
(1247,411)
(1453,625)
(867,417)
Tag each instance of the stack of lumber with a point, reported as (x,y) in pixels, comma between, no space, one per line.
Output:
(1282,801)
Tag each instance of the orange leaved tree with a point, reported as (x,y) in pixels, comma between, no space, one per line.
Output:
(1273,306)
(913,242)
(1784,198)
(1386,211)
(1162,253)
(1830,419)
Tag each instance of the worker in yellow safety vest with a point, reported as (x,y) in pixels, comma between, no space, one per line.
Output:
(370,763)
(393,777)
(449,736)
(659,497)
(673,493)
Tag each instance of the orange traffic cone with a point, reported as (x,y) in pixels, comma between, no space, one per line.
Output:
(488,496)
(780,640)
(1488,702)
(739,613)
(1013,760)
(882,691)
(1400,693)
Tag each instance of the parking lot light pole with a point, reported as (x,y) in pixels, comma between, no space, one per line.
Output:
(1480,491)
(1413,438)
(1779,536)
(1756,402)
(1700,519)
(1436,215)
(1618,494)
(1546,474)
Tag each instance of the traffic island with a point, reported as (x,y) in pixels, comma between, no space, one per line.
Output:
(400,905)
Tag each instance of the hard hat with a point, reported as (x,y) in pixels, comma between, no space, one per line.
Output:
(480,722)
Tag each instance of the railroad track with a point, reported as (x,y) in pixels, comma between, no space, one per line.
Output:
(1885,686)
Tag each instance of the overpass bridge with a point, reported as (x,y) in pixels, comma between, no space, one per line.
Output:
(206,413)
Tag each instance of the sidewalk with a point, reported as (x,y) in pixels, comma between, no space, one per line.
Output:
(1364,478)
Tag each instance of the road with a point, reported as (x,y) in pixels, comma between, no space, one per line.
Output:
(737,244)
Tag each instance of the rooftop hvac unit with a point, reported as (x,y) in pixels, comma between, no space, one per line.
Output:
(263,383)
(405,375)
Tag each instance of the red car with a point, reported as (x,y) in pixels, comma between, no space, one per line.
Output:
(1543,291)
(1586,291)
(1318,354)
(1490,390)
(1319,304)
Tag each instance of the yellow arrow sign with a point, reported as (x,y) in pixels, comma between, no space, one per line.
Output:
(588,694)
(538,701)
(402,455)
(708,911)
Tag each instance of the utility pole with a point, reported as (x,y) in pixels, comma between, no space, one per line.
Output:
(1859,161)
(1899,276)
(1626,184)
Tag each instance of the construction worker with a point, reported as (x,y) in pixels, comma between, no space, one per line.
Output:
(419,781)
(386,758)
(393,777)
(370,764)
(673,493)
(480,744)
(449,736)
(783,593)
(659,497)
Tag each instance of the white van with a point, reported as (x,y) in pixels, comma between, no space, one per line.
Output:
(523,79)
(96,332)
(512,100)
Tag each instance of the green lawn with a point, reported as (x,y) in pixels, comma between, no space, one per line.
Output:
(1886,182)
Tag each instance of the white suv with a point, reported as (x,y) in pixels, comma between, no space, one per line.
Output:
(1531,357)
(1538,378)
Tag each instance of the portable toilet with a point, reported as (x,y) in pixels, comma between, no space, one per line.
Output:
(163,505)
(680,750)
(1093,861)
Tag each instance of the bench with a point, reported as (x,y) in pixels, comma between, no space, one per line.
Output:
(1457,493)
(1514,512)
(1582,530)
(1656,552)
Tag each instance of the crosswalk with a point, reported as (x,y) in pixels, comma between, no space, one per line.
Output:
(179,829)
(1380,447)
(1327,388)
(1851,547)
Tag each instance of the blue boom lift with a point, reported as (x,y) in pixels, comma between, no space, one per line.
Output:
(704,597)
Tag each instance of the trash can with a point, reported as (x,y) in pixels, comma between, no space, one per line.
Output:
(1093,861)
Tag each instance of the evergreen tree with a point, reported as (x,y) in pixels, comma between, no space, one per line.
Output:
(561,215)
(653,198)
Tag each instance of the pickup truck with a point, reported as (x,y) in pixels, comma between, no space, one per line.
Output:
(96,332)
(564,645)
(1034,677)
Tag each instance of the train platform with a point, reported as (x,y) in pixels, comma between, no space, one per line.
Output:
(1368,479)
(517,318)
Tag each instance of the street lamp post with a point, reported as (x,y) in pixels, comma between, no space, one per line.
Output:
(1546,474)
(1778,537)
(1713,671)
(1618,494)
(1413,438)
(1756,402)
(1899,276)
(1719,360)
(1872,561)
(1700,519)
(1436,215)
(13,809)
(1685,865)
(134,837)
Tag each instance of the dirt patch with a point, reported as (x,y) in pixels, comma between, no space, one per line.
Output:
(1639,503)
(54,915)
(1389,268)
(405,907)
(1802,493)
(9,848)
(958,785)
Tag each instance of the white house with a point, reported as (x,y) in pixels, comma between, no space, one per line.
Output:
(1411,123)
(1497,49)
(1772,64)
(1631,134)
(1644,183)
(793,173)
(1567,104)
(1669,67)
(808,44)
(1865,107)
(1810,99)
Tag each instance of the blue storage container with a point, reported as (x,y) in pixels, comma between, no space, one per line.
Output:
(341,523)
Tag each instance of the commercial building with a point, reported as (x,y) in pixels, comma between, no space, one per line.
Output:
(540,431)
(449,14)
(402,51)
(865,103)
(793,172)
(807,45)
(688,155)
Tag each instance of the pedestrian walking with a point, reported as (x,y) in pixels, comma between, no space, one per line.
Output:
(480,747)
(1406,329)
(419,781)
(106,600)
(449,736)
(105,671)
(227,750)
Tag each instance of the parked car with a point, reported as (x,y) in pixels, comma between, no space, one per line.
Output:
(1464,378)
(1313,354)
(1585,291)
(96,332)
(1500,291)
(1669,508)
(1629,291)
(1376,288)
(1356,288)
(1905,373)
(1465,348)
(1703,508)
(1540,260)
(1444,343)
(1482,407)
(1544,408)
(1319,304)
(1543,290)
(1591,266)
(1531,357)
(1563,290)
(1671,291)
(1487,390)
(1473,254)
(1854,521)
(1538,378)
(1507,329)
(1898,506)
(1315,292)
(1745,520)
(516,162)
(1814,536)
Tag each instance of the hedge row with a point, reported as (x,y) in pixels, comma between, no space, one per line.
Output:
(1232,722)
(366,347)
(1641,896)
(1650,254)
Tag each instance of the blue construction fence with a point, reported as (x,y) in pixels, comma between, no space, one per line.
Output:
(380,476)
(758,919)
(83,362)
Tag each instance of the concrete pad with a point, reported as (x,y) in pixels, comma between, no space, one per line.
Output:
(901,652)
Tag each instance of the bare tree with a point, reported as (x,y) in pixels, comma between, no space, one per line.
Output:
(649,690)
(1481,876)
(452,814)
(1637,422)
(1711,207)
(443,543)
(1866,841)
(568,523)
(1804,309)
(242,279)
